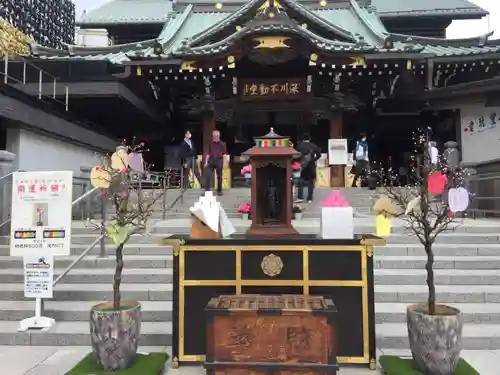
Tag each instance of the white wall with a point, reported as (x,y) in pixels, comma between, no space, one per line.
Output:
(480,139)
(92,37)
(36,152)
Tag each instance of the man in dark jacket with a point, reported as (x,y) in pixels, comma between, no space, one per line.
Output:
(188,158)
(309,154)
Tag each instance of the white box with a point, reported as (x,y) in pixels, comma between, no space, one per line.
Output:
(337,223)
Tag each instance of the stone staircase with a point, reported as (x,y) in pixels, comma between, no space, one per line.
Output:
(467,276)
(360,199)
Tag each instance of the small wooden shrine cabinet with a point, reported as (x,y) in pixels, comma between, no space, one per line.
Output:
(266,335)
(304,265)
(271,159)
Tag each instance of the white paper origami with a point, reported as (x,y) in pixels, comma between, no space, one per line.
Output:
(210,212)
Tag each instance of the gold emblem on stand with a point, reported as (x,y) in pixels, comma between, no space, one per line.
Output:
(271,265)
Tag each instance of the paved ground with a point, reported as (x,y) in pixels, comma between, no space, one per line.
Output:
(26,360)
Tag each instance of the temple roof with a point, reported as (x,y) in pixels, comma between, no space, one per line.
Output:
(340,26)
(156,11)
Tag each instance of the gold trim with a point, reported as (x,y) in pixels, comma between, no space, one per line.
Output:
(272,283)
(181,305)
(176,243)
(364,303)
(366,251)
(305,271)
(373,241)
(273,248)
(347,360)
(238,271)
(369,251)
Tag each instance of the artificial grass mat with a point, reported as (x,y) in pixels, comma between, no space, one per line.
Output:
(144,364)
(393,365)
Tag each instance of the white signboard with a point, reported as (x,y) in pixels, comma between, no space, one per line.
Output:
(337,152)
(38,273)
(480,133)
(41,212)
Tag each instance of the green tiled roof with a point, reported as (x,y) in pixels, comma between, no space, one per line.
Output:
(127,12)
(155,11)
(191,32)
(395,8)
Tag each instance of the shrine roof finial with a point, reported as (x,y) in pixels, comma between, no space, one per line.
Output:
(272,139)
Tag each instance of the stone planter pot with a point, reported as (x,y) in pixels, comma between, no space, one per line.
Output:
(245,216)
(435,341)
(298,215)
(248,176)
(114,335)
(296,175)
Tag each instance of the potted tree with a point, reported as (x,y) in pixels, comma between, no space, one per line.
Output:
(434,330)
(115,325)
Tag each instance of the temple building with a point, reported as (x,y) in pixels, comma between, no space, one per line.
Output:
(330,68)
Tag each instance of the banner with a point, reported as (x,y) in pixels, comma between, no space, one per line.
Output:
(38,273)
(41,213)
(337,152)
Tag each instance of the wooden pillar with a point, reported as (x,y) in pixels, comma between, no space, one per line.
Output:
(337,175)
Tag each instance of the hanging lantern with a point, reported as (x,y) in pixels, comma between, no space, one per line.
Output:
(458,199)
(436,183)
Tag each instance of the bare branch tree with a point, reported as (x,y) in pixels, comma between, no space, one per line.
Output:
(133,205)
(425,214)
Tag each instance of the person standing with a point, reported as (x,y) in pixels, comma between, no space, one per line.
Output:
(188,158)
(361,159)
(309,154)
(214,160)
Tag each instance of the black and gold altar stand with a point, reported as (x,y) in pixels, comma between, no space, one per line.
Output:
(341,269)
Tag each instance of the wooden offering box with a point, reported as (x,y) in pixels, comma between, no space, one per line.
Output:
(305,265)
(262,335)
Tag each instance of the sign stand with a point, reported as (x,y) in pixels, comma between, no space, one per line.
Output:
(38,321)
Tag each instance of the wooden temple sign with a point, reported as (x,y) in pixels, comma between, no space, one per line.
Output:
(273,89)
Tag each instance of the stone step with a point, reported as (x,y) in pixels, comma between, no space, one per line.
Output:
(441,277)
(444,238)
(153,249)
(475,336)
(96,275)
(444,293)
(307,225)
(94,261)
(93,292)
(449,250)
(151,311)
(472,313)
(440,262)
(78,334)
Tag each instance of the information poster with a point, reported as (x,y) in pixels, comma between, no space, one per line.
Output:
(41,212)
(337,152)
(38,273)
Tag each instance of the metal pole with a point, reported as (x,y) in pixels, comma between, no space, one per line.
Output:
(67,97)
(38,308)
(6,69)
(24,73)
(75,262)
(164,198)
(40,80)
(103,225)
(54,89)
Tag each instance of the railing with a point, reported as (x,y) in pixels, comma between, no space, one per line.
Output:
(11,74)
(485,189)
